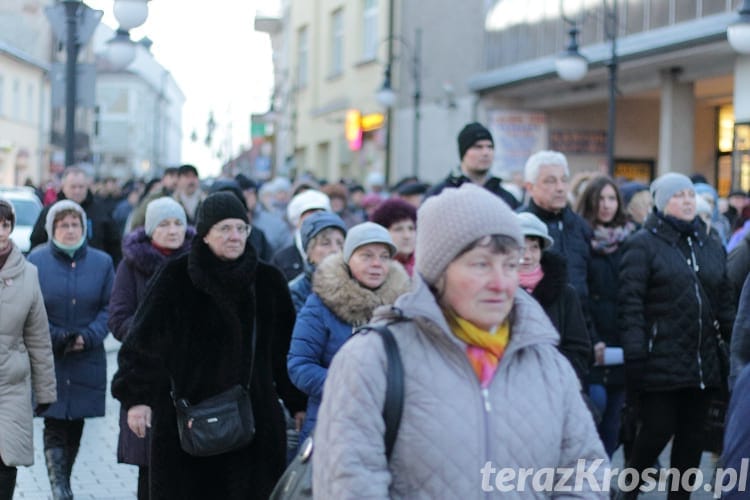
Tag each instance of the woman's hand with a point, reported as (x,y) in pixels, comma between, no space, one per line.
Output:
(139,419)
(299,417)
(599,348)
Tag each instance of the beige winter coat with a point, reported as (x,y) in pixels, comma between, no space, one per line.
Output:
(531,417)
(26,360)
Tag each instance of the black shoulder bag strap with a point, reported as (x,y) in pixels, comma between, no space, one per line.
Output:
(394,389)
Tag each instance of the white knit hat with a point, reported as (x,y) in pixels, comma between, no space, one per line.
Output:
(59,207)
(306,200)
(453,220)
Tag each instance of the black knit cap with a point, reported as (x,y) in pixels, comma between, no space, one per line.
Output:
(217,207)
(471,134)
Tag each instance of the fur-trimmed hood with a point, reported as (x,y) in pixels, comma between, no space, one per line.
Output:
(349,300)
(138,250)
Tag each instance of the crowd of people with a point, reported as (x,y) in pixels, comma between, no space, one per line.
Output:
(540,324)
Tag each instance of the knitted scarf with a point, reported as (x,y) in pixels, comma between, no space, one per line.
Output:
(607,239)
(484,348)
(531,279)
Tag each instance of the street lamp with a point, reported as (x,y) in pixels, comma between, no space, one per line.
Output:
(386,96)
(75,22)
(120,50)
(738,33)
(572,66)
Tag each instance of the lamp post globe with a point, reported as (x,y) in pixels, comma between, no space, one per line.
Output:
(130,13)
(386,97)
(571,67)
(120,50)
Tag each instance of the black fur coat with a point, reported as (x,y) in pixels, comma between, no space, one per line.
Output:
(560,301)
(195,324)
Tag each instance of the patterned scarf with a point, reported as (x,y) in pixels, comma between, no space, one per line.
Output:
(484,349)
(607,239)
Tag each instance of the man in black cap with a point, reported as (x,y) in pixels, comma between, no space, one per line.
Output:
(477,151)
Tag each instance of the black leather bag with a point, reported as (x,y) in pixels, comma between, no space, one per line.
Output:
(218,424)
(296,482)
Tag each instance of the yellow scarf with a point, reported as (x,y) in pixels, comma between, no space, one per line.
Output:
(484,349)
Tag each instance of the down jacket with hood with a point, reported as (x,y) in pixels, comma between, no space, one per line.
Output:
(76,294)
(674,294)
(26,362)
(337,306)
(532,414)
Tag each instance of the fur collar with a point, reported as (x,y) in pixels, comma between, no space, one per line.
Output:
(555,279)
(346,298)
(138,251)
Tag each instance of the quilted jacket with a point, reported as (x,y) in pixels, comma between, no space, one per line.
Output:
(531,415)
(326,322)
(76,295)
(667,317)
(26,363)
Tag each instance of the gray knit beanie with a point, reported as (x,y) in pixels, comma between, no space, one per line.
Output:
(59,207)
(453,220)
(364,234)
(160,209)
(664,187)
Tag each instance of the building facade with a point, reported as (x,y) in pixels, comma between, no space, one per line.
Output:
(25,51)
(677,87)
(139,115)
(335,60)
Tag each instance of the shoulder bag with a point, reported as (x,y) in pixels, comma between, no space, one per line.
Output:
(296,482)
(218,424)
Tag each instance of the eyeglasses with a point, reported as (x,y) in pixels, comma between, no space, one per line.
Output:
(65,226)
(225,230)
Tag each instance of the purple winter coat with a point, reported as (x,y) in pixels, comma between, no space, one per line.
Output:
(140,262)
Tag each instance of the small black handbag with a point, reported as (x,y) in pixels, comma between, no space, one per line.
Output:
(218,424)
(296,482)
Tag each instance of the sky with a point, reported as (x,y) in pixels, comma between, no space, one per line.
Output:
(219,62)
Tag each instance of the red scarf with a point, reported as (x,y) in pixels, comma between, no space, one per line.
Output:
(407,262)
(162,250)
(530,280)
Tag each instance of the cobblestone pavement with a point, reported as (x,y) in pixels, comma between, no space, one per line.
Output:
(96,473)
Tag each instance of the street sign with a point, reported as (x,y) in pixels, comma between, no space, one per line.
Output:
(85,85)
(87,19)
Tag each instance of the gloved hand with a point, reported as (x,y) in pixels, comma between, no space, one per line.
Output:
(40,408)
(635,370)
(62,343)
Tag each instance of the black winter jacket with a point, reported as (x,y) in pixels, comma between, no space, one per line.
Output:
(560,302)
(738,266)
(196,323)
(572,237)
(668,318)
(493,185)
(604,282)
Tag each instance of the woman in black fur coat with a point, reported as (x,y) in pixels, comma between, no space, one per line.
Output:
(196,325)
